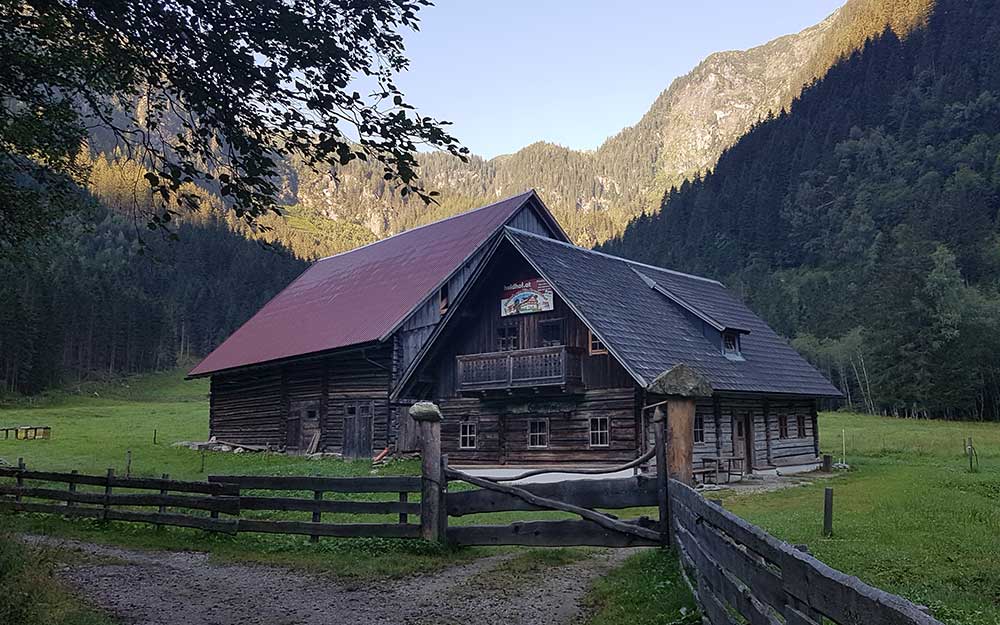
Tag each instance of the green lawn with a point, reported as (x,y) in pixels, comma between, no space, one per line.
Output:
(909,517)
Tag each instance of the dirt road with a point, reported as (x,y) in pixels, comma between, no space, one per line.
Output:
(185,588)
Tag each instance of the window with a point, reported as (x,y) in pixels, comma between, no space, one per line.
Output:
(467,435)
(731,345)
(739,427)
(783,426)
(596,346)
(443,299)
(699,429)
(551,332)
(800,425)
(538,433)
(508,338)
(600,431)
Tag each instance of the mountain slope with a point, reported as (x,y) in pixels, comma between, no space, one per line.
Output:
(865,220)
(595,194)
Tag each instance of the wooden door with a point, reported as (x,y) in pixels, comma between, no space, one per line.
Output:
(310,427)
(743,440)
(358,429)
(293,429)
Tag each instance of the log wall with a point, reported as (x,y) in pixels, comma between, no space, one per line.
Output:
(770,450)
(502,427)
(252,406)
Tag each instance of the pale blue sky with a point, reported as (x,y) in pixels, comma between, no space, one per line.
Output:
(574,72)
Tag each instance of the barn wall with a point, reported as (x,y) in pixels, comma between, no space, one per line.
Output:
(252,406)
(502,427)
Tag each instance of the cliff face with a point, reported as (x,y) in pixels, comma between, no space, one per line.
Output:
(596,193)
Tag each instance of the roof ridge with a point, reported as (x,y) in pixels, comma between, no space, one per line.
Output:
(433,223)
(612,256)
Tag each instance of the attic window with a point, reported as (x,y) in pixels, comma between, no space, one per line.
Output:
(596,345)
(731,345)
(443,299)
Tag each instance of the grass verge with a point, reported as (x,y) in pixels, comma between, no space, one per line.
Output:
(30,593)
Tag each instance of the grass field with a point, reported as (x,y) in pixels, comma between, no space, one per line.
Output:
(909,516)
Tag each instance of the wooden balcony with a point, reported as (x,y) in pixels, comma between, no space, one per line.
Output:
(523,368)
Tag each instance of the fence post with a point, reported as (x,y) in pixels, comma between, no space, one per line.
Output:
(20,479)
(828,512)
(163,493)
(107,493)
(72,489)
(403,517)
(443,501)
(428,416)
(317,516)
(662,476)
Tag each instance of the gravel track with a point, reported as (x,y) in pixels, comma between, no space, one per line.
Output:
(186,588)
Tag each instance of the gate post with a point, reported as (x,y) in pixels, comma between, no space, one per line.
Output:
(432,480)
(662,476)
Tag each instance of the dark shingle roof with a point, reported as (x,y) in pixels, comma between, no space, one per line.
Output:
(649,331)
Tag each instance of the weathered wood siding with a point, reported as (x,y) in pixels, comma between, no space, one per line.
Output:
(770,450)
(252,406)
(476,331)
(502,428)
(248,407)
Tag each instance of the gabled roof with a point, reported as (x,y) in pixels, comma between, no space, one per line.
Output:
(363,295)
(649,331)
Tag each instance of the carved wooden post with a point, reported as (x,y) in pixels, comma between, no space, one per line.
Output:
(428,417)
(680,438)
(680,386)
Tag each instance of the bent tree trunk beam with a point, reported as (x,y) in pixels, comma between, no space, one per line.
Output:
(543,502)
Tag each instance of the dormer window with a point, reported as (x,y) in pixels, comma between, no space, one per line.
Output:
(731,345)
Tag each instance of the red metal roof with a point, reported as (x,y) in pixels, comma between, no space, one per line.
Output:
(359,296)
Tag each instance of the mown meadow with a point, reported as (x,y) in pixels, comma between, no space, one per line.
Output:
(909,515)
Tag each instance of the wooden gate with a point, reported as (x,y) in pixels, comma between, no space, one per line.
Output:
(588,499)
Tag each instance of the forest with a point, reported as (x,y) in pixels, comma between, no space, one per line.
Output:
(863,220)
(102,299)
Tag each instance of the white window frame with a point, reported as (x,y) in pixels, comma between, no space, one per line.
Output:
(532,422)
(606,431)
(464,435)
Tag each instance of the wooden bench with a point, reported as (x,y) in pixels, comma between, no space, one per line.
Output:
(715,468)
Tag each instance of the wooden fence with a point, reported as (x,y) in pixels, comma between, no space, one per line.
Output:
(739,569)
(114,498)
(244,500)
(317,487)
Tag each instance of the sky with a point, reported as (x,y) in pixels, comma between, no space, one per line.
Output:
(573,72)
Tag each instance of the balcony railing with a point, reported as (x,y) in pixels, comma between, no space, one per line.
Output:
(522,368)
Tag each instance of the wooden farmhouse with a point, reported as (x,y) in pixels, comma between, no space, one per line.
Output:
(537,351)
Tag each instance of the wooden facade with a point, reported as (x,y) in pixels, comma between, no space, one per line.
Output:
(525,386)
(344,398)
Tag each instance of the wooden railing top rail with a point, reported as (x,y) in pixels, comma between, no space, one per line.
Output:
(388,484)
(599,471)
(550,349)
(721,546)
(147,483)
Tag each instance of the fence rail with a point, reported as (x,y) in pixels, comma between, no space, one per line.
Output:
(319,486)
(736,567)
(109,505)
